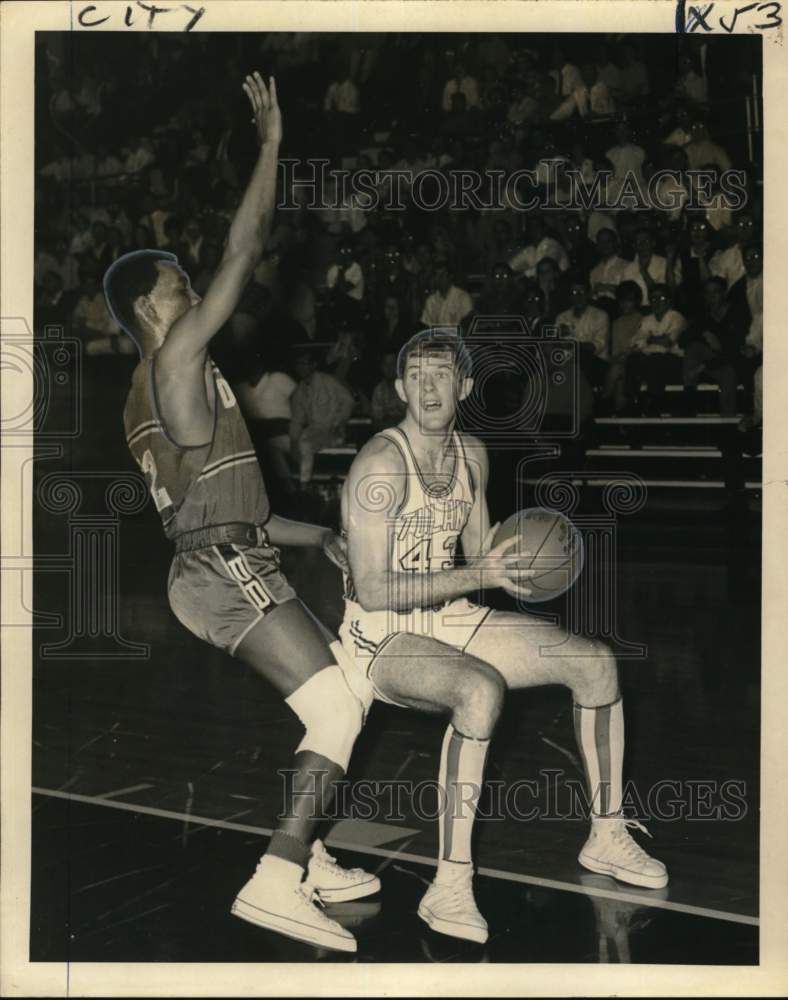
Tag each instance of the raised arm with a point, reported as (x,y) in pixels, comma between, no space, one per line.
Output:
(188,339)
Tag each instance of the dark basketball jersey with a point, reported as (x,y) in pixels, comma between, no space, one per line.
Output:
(195,487)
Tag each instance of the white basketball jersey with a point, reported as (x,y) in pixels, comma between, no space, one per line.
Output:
(432,515)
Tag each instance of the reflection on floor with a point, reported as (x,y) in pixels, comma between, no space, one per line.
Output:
(120,886)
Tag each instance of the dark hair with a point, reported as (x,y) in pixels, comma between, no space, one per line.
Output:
(129,278)
(630,290)
(577,278)
(717,280)
(437,340)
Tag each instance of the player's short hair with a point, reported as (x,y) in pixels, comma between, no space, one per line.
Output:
(437,340)
(129,278)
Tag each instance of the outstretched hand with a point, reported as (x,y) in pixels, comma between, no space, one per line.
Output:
(267,116)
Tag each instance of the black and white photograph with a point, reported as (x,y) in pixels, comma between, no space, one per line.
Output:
(391,527)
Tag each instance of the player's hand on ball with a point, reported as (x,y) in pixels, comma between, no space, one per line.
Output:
(336,550)
(500,565)
(267,116)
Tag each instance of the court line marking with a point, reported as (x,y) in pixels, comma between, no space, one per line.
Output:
(623,895)
(124,791)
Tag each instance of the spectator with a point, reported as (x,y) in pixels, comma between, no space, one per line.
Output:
(193,240)
(461,83)
(523,106)
(57,258)
(92,322)
(342,96)
(590,327)
(702,152)
(107,164)
(345,279)
(695,260)
(539,245)
(461,122)
(173,235)
(609,272)
(634,76)
(649,268)
(627,159)
(321,407)
(747,296)
(590,97)
(625,327)
(53,304)
(608,72)
(99,251)
(347,362)
(394,329)
(500,297)
(565,75)
(729,264)
(142,238)
(579,249)
(154,216)
(682,130)
(386,408)
(448,305)
(264,393)
(553,286)
(141,155)
(691,85)
(712,200)
(713,347)
(671,193)
(655,356)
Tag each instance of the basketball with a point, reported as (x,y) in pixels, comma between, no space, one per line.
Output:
(555,546)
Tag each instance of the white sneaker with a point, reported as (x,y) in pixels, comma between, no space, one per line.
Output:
(610,850)
(290,910)
(335,884)
(449,908)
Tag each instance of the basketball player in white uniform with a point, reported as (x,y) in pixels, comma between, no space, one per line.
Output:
(413,493)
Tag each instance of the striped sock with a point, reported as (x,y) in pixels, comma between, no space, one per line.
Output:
(461,775)
(600,737)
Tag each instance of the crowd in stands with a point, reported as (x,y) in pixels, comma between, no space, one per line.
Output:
(147,143)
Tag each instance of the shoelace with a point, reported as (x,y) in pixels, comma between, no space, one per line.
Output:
(623,837)
(321,856)
(311,897)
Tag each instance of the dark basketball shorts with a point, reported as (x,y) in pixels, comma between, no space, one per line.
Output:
(220,593)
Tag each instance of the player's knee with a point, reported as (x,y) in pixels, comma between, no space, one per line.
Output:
(598,673)
(331,714)
(480,696)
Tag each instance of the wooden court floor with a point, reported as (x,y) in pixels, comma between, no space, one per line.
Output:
(155,780)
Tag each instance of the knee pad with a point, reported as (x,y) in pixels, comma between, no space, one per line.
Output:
(332,715)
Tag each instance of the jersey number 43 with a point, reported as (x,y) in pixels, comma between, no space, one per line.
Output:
(418,558)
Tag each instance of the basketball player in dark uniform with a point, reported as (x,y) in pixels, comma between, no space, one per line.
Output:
(185,430)
(414,492)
